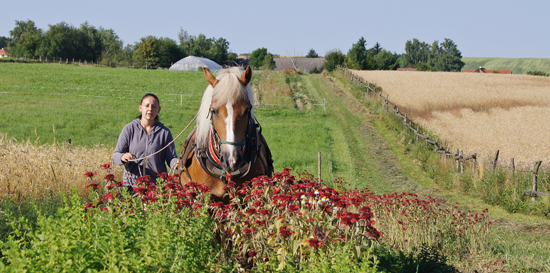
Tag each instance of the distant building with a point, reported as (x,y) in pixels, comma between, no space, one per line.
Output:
(483,70)
(2,53)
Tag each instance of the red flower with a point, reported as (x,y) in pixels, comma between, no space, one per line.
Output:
(93,186)
(248,231)
(314,243)
(252,253)
(284,232)
(90,174)
(106,166)
(109,177)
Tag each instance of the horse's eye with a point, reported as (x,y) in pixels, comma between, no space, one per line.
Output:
(214,111)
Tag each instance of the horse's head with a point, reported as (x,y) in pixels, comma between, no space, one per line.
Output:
(230,115)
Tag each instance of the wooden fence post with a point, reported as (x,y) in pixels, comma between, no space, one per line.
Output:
(461,162)
(475,165)
(535,176)
(495,162)
(319,168)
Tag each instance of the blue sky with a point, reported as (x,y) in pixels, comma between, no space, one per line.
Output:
(506,29)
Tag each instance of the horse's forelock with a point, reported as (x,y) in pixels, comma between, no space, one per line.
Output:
(228,90)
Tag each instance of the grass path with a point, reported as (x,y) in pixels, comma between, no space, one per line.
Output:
(519,243)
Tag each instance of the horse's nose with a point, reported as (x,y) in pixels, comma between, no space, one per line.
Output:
(230,159)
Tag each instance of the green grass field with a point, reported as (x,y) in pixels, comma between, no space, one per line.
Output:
(518,65)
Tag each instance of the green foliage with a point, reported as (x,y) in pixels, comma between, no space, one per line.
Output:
(138,237)
(537,73)
(26,39)
(257,58)
(359,58)
(4,41)
(386,60)
(269,63)
(333,59)
(437,57)
(312,54)
(214,49)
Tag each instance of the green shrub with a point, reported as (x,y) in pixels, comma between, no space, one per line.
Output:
(537,73)
(135,238)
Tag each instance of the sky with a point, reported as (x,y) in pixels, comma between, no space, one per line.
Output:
(482,28)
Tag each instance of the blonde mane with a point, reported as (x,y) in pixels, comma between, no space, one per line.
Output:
(228,90)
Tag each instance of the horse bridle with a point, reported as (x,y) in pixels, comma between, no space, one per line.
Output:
(249,145)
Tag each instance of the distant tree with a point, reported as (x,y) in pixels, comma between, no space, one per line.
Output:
(89,43)
(25,39)
(111,46)
(4,41)
(377,48)
(269,63)
(214,49)
(312,54)
(359,58)
(386,60)
(415,52)
(146,51)
(450,58)
(168,51)
(333,59)
(127,55)
(257,57)
(58,42)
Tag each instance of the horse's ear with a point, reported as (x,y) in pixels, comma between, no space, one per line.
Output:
(209,77)
(246,76)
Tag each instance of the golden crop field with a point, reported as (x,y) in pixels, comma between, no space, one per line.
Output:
(477,113)
(29,170)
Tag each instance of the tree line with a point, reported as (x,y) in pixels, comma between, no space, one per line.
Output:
(443,56)
(65,41)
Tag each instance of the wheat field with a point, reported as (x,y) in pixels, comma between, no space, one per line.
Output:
(28,170)
(476,113)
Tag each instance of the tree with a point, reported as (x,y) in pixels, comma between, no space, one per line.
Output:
(377,48)
(359,58)
(450,58)
(257,57)
(168,51)
(57,42)
(312,54)
(4,41)
(333,59)
(215,49)
(386,60)
(269,63)
(25,39)
(111,45)
(415,52)
(147,51)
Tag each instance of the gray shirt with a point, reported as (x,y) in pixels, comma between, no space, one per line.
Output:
(135,140)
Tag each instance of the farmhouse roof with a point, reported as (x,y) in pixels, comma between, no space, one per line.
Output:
(2,50)
(305,64)
(193,63)
(483,70)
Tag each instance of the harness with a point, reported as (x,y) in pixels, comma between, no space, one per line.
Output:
(208,156)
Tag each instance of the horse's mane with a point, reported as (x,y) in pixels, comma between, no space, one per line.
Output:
(228,90)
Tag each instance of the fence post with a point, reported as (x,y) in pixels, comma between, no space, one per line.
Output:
(475,165)
(325,106)
(457,157)
(461,161)
(495,162)
(319,168)
(535,176)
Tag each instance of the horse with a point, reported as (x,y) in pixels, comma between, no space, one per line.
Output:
(227,141)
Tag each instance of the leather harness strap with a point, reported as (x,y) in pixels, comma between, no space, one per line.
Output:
(211,164)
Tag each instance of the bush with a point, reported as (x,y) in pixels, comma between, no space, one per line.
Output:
(126,235)
(537,73)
